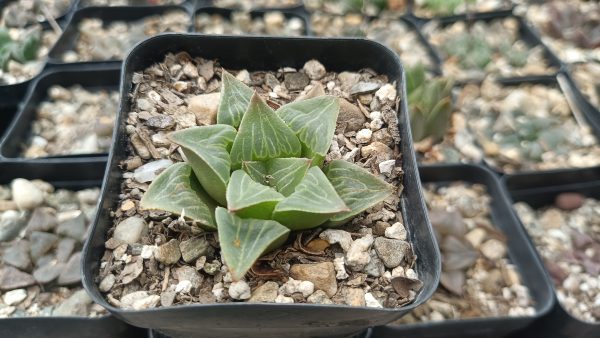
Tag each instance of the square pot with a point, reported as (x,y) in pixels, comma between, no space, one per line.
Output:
(73,177)
(245,319)
(520,252)
(539,190)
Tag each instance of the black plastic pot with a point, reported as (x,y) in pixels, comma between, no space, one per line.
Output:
(69,37)
(60,19)
(526,33)
(558,81)
(91,78)
(75,177)
(260,320)
(592,112)
(520,251)
(7,113)
(258,13)
(539,190)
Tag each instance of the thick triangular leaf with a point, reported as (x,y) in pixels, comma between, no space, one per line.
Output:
(313,202)
(313,121)
(358,188)
(262,136)
(206,149)
(234,101)
(284,174)
(250,199)
(178,191)
(244,240)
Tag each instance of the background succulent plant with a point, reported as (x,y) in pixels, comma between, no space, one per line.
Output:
(444,7)
(566,21)
(430,102)
(256,175)
(22,50)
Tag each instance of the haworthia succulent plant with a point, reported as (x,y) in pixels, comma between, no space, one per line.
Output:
(266,174)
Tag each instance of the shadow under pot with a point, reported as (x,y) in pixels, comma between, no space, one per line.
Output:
(105,34)
(492,282)
(45,212)
(205,279)
(559,210)
(68,113)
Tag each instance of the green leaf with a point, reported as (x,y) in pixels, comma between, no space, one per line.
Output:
(284,174)
(234,101)
(313,202)
(313,121)
(27,49)
(262,136)
(206,149)
(177,190)
(250,199)
(358,188)
(4,37)
(244,240)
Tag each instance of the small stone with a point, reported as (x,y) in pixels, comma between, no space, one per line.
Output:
(306,288)
(386,92)
(371,301)
(74,227)
(127,204)
(266,293)
(205,107)
(364,88)
(184,286)
(281,299)
(168,253)
(335,236)
(322,275)
(364,136)
(296,81)
(17,255)
(212,267)
(130,230)
(180,86)
(350,118)
(11,278)
(314,69)
(493,249)
(48,272)
(354,297)
(149,171)
(190,70)
(569,201)
(148,251)
(319,297)
(476,237)
(76,305)
(132,270)
(40,243)
(387,167)
(139,300)
(244,76)
(396,231)
(133,163)
(378,150)
(348,79)
(193,248)
(107,283)
(239,290)
(391,251)
(144,104)
(14,297)
(375,267)
(190,274)
(380,227)
(167,297)
(71,274)
(358,255)
(42,219)
(26,194)
(161,121)
(11,223)
(340,267)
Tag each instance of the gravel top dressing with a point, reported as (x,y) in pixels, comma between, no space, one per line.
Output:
(42,230)
(272,23)
(155,258)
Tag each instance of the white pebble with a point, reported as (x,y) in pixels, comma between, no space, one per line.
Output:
(396,231)
(218,291)
(239,290)
(341,237)
(386,92)
(386,167)
(149,171)
(184,286)
(281,299)
(371,301)
(148,251)
(358,254)
(14,297)
(364,136)
(340,268)
(292,286)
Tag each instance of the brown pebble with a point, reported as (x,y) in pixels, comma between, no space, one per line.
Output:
(569,200)
(127,205)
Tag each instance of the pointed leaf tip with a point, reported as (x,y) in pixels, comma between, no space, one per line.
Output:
(234,101)
(244,240)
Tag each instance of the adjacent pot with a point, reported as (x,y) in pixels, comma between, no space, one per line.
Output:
(90,78)
(539,190)
(75,177)
(520,251)
(244,319)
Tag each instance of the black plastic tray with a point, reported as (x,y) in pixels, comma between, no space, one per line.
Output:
(257,13)
(74,177)
(592,112)
(89,77)
(540,190)
(299,5)
(520,251)
(7,113)
(69,37)
(244,319)
(526,34)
